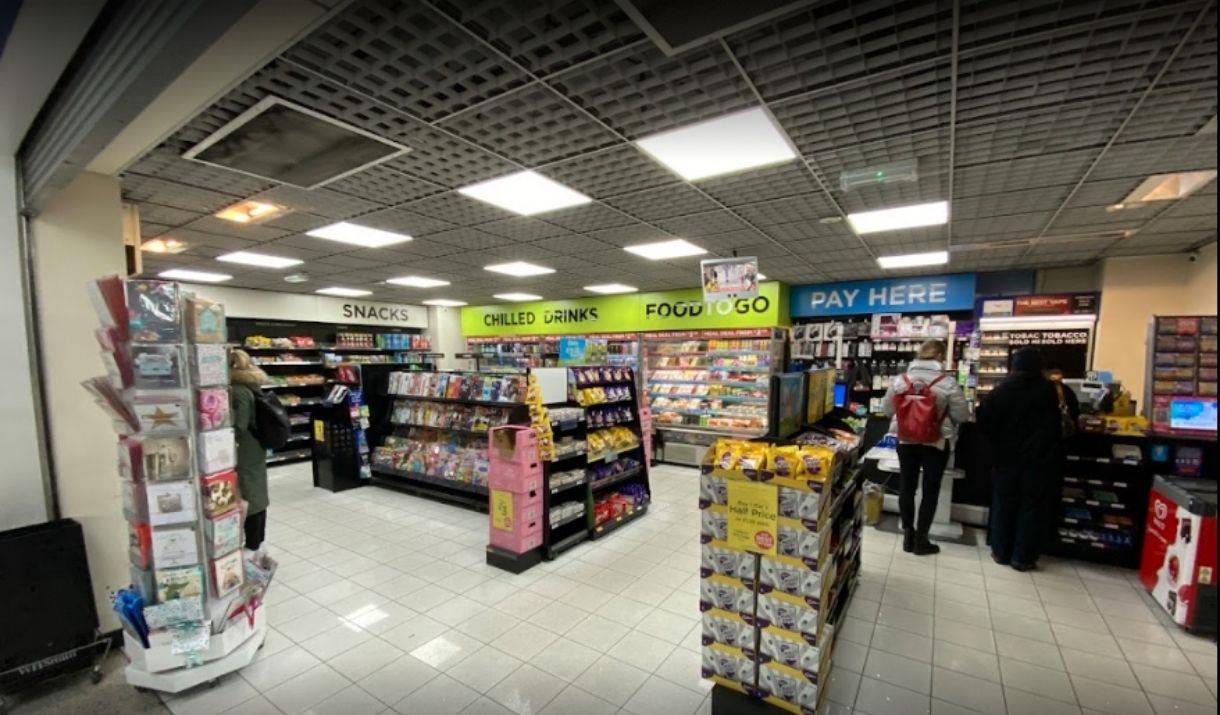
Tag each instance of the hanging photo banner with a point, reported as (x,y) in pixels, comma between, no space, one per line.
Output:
(915,294)
(729,278)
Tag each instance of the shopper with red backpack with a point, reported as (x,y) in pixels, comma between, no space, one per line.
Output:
(926,405)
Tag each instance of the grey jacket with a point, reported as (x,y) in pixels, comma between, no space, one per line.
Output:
(949,397)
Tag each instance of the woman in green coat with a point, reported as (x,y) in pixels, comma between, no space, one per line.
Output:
(246,377)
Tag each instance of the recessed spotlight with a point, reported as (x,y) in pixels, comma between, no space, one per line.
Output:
(261,260)
(296,278)
(914,216)
(526,193)
(728,144)
(417,282)
(913,260)
(611,288)
(163,245)
(358,235)
(519,269)
(761,277)
(661,250)
(517,297)
(445,302)
(250,211)
(182,274)
(343,292)
(1115,207)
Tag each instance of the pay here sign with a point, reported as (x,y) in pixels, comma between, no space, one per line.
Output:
(917,294)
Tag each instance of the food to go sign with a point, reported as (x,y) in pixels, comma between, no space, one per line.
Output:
(639,312)
(917,294)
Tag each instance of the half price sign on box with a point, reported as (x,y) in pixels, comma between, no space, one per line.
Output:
(753,517)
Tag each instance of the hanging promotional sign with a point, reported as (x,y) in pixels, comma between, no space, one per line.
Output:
(728,278)
(573,351)
(916,294)
(639,312)
(1044,305)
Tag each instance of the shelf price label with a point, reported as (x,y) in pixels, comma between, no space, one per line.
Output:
(753,516)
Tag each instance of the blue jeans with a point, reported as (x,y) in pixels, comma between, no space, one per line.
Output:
(1017,520)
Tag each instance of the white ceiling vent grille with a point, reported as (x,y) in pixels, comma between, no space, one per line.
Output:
(281,141)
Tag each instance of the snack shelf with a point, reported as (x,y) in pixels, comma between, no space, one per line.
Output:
(456,401)
(608,526)
(456,430)
(435,481)
(612,454)
(720,383)
(568,520)
(1094,482)
(729,398)
(1117,506)
(289,363)
(1098,545)
(599,484)
(562,545)
(567,487)
(694,429)
(274,386)
(303,403)
(294,455)
(1094,524)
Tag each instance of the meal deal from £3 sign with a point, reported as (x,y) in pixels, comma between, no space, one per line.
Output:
(753,517)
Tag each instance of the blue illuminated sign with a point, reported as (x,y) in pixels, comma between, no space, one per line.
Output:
(916,294)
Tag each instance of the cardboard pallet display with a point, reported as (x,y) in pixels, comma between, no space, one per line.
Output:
(772,566)
(194,609)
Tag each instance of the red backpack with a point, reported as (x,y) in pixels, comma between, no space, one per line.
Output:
(918,419)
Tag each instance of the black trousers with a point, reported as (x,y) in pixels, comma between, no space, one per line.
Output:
(1018,512)
(256,529)
(914,459)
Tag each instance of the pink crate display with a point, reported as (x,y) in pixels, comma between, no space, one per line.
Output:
(524,515)
(513,480)
(516,543)
(514,445)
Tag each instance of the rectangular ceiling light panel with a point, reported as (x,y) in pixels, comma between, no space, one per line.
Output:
(725,145)
(445,302)
(517,297)
(182,274)
(262,260)
(663,250)
(519,269)
(914,260)
(895,219)
(1169,187)
(526,193)
(417,282)
(290,144)
(611,288)
(358,235)
(344,292)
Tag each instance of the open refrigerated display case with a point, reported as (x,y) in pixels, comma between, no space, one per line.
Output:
(702,385)
(514,353)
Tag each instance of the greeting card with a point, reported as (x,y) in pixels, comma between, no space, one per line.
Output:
(165,457)
(167,416)
(106,294)
(129,459)
(170,502)
(154,312)
(227,573)
(174,547)
(212,404)
(217,450)
(185,582)
(210,365)
(220,493)
(156,367)
(179,610)
(139,545)
(222,534)
(205,320)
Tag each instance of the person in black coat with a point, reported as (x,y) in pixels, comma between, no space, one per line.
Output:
(1020,421)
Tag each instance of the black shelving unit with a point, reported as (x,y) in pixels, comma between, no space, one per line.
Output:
(557,538)
(382,425)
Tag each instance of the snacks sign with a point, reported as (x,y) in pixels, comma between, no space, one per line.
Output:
(639,312)
(753,517)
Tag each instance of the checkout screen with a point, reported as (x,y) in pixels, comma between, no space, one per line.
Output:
(1193,414)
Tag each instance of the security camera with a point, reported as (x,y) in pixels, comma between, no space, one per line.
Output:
(1192,256)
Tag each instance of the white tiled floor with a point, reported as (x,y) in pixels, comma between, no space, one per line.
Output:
(383,604)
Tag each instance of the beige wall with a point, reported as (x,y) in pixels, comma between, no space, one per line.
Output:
(1136,288)
(78,237)
(1071,279)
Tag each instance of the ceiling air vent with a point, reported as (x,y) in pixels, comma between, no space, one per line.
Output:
(281,141)
(678,25)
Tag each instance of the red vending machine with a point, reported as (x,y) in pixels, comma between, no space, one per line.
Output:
(1179,561)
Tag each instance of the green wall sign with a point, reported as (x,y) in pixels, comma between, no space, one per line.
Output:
(638,312)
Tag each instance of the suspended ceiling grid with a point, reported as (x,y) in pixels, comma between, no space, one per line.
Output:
(1031,118)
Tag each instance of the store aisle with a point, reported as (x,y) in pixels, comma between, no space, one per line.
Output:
(383,604)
